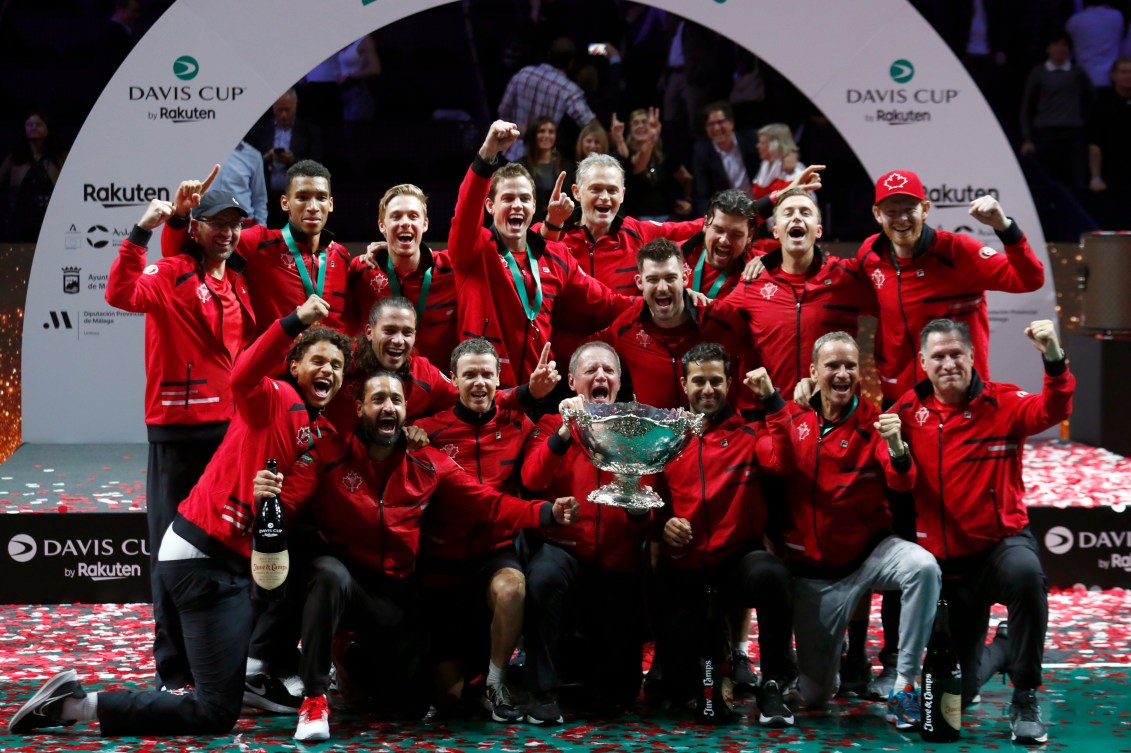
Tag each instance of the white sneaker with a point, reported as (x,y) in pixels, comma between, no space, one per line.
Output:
(313,720)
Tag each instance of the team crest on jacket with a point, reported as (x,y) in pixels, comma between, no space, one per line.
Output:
(302,438)
(986,252)
(150,270)
(878,279)
(379,282)
(922,415)
(643,338)
(768,290)
(802,431)
(288,260)
(203,293)
(352,481)
(450,450)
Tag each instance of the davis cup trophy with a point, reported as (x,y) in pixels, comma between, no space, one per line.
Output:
(630,440)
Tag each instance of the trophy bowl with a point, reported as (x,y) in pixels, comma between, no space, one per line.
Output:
(630,440)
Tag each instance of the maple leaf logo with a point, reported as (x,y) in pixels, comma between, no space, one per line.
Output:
(922,415)
(802,431)
(878,279)
(379,282)
(351,481)
(768,290)
(894,181)
(203,293)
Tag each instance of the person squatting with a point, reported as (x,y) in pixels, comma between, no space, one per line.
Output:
(439,530)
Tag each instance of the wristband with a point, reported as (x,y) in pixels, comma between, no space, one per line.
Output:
(552,226)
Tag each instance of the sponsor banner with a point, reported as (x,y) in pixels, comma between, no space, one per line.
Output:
(207,69)
(1088,545)
(64,559)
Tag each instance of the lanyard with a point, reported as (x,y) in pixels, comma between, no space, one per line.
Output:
(425,286)
(699,276)
(520,284)
(319,259)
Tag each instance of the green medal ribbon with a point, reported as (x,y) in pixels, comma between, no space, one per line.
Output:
(520,284)
(395,284)
(320,260)
(695,282)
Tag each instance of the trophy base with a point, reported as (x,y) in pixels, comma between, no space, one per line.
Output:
(631,497)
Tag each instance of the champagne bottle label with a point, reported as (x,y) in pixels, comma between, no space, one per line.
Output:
(951,707)
(269,570)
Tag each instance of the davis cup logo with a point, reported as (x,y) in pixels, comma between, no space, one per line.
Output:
(902,71)
(1058,540)
(22,547)
(185,68)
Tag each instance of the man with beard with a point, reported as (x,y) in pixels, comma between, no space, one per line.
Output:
(286,266)
(968,435)
(716,255)
(840,545)
(588,575)
(370,500)
(405,266)
(388,344)
(459,566)
(664,323)
(714,534)
(198,319)
(203,558)
(510,283)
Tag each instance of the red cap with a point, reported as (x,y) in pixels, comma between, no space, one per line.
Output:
(899,183)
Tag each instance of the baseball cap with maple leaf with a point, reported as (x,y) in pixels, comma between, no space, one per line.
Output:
(899,183)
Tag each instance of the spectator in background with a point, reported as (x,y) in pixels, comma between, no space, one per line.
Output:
(28,176)
(726,159)
(1109,149)
(1054,108)
(593,139)
(284,139)
(657,185)
(545,89)
(699,70)
(359,68)
(116,37)
(242,176)
(1096,31)
(544,162)
(780,163)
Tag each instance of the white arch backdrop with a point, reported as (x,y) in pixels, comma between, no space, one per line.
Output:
(208,68)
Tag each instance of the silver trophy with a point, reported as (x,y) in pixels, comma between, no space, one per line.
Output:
(630,440)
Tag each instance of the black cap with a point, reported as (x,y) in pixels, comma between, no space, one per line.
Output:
(214,202)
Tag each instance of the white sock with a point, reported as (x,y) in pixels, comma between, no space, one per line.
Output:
(82,709)
(901,681)
(495,675)
(255,667)
(742,647)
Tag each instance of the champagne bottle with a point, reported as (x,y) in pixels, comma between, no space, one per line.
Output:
(270,559)
(942,683)
(711,704)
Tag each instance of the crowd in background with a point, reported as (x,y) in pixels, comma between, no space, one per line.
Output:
(1045,67)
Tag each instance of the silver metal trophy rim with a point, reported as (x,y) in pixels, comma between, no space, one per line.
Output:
(626,490)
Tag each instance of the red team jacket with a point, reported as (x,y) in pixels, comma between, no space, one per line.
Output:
(272,275)
(784,322)
(968,489)
(188,367)
(374,516)
(652,355)
(947,276)
(603,536)
(716,484)
(836,495)
(489,447)
(489,305)
(271,421)
(437,327)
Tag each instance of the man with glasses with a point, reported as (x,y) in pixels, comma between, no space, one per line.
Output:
(727,159)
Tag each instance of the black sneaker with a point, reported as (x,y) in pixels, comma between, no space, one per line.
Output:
(498,700)
(45,708)
(855,676)
(772,709)
(261,691)
(544,710)
(745,681)
(1025,718)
